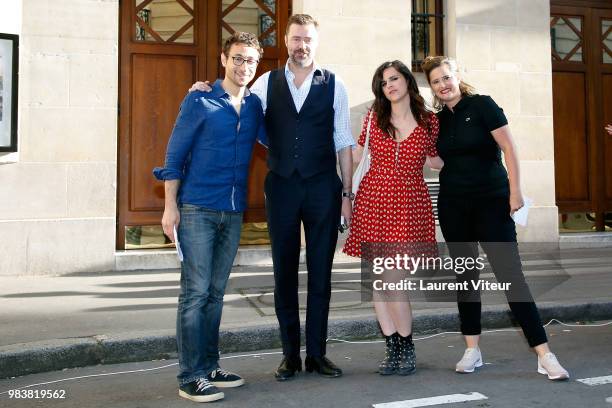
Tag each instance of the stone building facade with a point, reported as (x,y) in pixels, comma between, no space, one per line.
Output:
(58,212)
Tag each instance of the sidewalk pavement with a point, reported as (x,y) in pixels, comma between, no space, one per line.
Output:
(51,323)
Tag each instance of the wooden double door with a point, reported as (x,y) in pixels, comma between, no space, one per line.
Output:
(166,45)
(581,45)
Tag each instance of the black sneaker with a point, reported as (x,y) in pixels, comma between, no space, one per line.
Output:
(200,390)
(224,379)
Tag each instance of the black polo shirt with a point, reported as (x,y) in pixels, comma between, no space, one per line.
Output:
(472,158)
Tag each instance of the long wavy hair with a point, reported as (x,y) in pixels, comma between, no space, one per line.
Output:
(433,62)
(382,105)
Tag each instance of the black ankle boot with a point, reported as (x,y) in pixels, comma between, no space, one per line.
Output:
(389,364)
(406,363)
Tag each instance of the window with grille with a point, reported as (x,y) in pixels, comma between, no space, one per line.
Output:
(427,30)
(253,16)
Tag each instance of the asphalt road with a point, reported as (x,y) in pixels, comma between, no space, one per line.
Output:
(509,378)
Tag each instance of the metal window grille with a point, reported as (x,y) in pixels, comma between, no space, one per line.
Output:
(427,30)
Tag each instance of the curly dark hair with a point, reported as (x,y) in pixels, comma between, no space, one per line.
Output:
(240,37)
(382,106)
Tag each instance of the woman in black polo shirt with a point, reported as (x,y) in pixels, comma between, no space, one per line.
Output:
(477,198)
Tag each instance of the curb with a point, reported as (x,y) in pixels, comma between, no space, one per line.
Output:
(36,357)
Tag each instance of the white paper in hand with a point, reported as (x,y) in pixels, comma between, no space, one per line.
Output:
(179,253)
(520,216)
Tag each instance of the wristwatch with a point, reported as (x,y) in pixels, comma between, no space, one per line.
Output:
(350,195)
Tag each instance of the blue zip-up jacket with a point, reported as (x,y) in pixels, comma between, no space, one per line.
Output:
(210,149)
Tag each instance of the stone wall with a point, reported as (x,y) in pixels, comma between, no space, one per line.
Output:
(57,214)
(503,49)
(58,207)
(356,37)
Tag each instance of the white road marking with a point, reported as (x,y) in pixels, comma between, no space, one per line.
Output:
(606,379)
(427,402)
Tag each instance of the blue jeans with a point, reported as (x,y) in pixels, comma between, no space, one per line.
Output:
(209,240)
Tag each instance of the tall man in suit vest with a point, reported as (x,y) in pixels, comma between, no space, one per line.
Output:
(307,122)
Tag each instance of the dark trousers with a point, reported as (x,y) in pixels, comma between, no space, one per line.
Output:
(316,202)
(465,222)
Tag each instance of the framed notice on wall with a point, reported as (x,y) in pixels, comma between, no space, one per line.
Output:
(9,58)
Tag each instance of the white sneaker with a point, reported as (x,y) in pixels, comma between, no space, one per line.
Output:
(471,360)
(549,365)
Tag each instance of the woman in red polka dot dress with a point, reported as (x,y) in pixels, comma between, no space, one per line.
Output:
(392,204)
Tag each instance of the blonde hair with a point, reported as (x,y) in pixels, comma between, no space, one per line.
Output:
(431,63)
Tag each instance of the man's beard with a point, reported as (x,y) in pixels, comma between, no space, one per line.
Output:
(304,61)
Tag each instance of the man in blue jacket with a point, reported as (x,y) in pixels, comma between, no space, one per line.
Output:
(205,177)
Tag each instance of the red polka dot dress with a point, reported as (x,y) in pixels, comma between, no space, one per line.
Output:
(392,203)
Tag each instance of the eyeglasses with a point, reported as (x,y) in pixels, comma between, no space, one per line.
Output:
(445,79)
(238,61)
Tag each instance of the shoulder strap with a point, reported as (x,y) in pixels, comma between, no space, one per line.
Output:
(367,141)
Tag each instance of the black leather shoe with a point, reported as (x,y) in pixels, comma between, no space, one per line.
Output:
(288,367)
(323,366)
